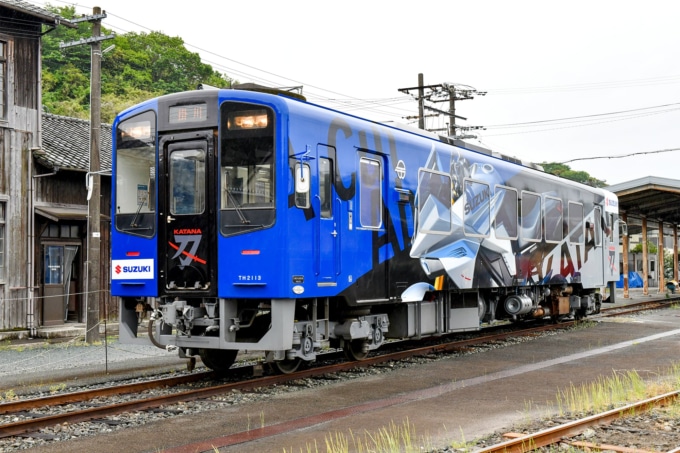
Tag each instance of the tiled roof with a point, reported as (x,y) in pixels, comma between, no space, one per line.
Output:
(66,144)
(44,15)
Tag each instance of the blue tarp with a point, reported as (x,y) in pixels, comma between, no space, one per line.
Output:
(634,280)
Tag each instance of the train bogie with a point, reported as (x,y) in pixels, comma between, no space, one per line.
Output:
(252,221)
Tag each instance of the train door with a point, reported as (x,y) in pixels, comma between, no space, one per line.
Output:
(606,242)
(599,241)
(611,247)
(328,237)
(187,214)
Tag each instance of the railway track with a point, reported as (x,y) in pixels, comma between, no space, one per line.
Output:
(34,422)
(521,443)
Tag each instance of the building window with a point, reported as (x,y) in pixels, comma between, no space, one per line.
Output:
(3,264)
(61,230)
(3,80)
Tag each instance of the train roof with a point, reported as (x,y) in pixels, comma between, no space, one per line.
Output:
(293,95)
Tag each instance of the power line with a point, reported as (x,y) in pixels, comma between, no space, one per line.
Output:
(659,80)
(595,115)
(376,106)
(621,156)
(349,103)
(587,124)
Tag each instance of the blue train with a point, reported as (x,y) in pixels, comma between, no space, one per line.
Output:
(254,220)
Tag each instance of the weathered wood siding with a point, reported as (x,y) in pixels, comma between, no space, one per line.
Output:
(19,134)
(27,61)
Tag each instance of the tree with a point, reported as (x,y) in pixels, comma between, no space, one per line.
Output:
(668,264)
(564,171)
(651,250)
(139,67)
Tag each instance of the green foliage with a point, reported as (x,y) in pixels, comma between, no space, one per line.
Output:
(140,66)
(651,248)
(564,171)
(668,263)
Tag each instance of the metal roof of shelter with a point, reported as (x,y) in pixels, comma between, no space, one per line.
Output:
(57,213)
(656,199)
(20,7)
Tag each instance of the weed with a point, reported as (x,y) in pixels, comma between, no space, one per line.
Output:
(9,396)
(391,438)
(606,393)
(56,388)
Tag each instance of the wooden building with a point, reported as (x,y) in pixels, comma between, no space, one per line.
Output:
(60,208)
(43,197)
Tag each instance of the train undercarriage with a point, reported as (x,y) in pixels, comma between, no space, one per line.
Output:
(293,331)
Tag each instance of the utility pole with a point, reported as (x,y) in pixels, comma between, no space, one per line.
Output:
(442,93)
(421,102)
(93,177)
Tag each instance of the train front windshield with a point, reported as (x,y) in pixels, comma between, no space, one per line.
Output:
(245,179)
(246,168)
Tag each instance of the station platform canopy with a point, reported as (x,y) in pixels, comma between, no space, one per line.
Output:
(656,199)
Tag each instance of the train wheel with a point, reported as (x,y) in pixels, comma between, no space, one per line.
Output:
(218,360)
(287,366)
(356,349)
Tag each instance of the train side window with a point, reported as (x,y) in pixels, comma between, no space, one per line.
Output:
(576,234)
(302,186)
(504,212)
(530,218)
(434,202)
(477,218)
(325,182)
(370,193)
(553,220)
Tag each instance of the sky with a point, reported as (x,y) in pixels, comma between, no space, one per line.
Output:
(583,82)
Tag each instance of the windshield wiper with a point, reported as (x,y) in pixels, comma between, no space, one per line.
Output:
(237,207)
(134,223)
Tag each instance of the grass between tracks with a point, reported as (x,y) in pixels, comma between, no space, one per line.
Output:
(623,387)
(601,395)
(392,438)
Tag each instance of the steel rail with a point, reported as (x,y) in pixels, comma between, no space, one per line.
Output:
(32,425)
(555,434)
(85,395)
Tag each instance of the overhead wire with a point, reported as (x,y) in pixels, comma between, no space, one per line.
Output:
(392,106)
(621,156)
(585,123)
(348,102)
(658,80)
(580,118)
